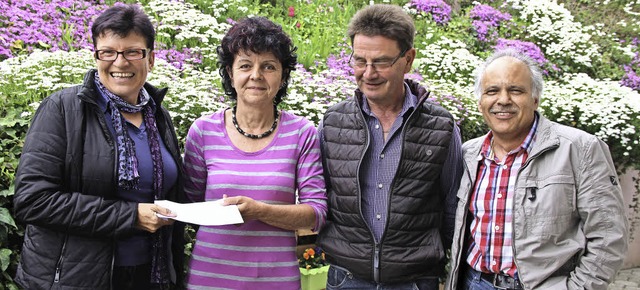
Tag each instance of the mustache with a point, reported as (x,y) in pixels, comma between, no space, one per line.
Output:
(503,109)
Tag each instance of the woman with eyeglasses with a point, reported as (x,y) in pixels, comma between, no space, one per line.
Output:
(95,158)
(258,157)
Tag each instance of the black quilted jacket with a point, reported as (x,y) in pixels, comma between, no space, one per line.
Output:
(411,247)
(64,192)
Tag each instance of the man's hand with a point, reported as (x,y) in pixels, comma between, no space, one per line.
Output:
(149,221)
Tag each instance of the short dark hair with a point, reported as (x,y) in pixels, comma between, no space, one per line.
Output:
(122,19)
(259,35)
(390,21)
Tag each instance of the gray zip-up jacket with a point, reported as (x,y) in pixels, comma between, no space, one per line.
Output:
(573,233)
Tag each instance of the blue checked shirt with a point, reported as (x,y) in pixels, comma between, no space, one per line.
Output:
(381,162)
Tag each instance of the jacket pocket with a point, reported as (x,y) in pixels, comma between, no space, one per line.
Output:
(550,204)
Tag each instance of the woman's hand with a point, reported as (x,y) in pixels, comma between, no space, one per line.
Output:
(149,221)
(249,208)
(285,216)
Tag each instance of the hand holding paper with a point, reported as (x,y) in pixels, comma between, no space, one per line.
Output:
(208,213)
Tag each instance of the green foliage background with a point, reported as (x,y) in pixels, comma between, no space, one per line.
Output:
(318,30)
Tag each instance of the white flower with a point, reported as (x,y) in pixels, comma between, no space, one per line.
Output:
(554,30)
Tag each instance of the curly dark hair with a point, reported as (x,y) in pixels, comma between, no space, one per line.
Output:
(259,35)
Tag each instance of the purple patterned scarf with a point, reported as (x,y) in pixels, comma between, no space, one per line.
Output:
(128,176)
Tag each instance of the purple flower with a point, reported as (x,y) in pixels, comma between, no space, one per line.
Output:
(178,58)
(482,31)
(631,78)
(46,24)
(486,21)
(528,48)
(489,14)
(340,64)
(439,10)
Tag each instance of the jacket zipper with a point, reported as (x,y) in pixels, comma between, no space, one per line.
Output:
(376,246)
(513,243)
(113,261)
(56,277)
(464,218)
(110,141)
(376,263)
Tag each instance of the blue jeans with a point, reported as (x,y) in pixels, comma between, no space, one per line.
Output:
(341,278)
(472,281)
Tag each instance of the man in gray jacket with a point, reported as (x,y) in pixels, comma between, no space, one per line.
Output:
(539,203)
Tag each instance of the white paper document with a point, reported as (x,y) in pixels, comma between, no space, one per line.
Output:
(208,213)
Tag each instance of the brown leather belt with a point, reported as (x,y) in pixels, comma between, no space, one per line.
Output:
(501,281)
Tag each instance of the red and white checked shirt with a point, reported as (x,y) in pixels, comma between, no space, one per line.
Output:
(491,207)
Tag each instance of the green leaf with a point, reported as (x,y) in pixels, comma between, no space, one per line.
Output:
(5,217)
(10,132)
(7,122)
(18,44)
(7,192)
(43,44)
(5,259)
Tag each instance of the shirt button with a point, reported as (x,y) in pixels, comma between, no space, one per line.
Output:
(378,216)
(377,126)
(497,228)
(380,185)
(499,195)
(505,166)
(494,262)
(382,156)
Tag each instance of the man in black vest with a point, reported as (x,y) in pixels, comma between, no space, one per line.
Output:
(392,163)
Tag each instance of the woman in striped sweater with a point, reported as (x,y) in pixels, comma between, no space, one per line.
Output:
(264,160)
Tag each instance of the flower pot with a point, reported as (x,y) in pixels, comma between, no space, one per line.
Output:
(314,279)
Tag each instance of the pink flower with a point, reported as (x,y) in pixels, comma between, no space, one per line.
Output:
(297,24)
(292,11)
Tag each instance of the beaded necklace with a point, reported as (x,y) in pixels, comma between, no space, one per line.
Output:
(276,114)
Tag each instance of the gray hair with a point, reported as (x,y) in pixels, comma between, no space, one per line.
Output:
(537,82)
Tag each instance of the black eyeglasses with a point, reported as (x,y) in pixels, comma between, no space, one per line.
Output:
(380,65)
(112,55)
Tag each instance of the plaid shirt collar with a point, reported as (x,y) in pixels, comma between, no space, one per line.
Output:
(487,151)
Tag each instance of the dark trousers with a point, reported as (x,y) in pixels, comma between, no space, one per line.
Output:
(132,277)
